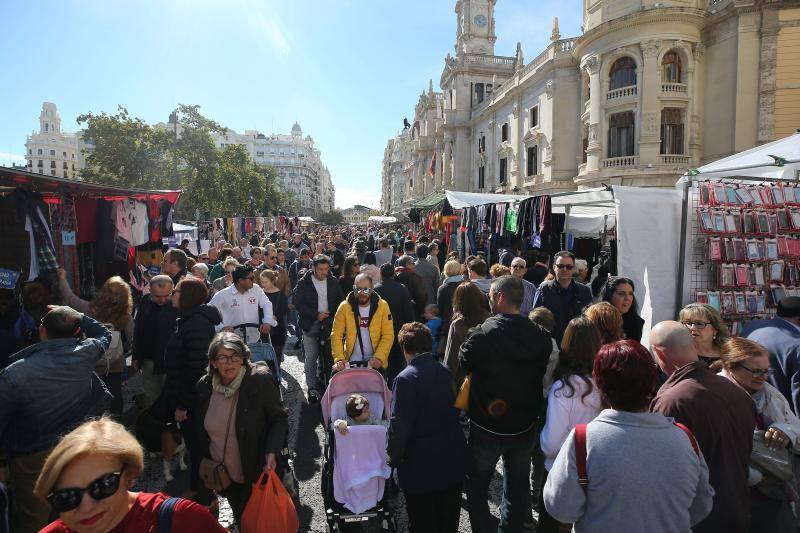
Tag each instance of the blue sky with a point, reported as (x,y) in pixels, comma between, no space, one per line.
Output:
(348,71)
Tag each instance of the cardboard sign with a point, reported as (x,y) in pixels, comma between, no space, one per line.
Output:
(68,238)
(8,278)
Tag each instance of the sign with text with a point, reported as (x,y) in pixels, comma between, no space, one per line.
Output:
(68,238)
(8,278)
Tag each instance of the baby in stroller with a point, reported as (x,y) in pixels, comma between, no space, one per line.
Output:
(355,409)
(358,414)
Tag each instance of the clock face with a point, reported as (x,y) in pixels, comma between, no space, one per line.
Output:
(480,20)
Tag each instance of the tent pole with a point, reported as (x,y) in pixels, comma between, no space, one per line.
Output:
(682,253)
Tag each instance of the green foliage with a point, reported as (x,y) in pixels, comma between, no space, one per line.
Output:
(331,218)
(130,153)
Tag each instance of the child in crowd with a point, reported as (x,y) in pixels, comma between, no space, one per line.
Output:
(434,323)
(358,414)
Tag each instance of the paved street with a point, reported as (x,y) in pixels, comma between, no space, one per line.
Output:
(306,439)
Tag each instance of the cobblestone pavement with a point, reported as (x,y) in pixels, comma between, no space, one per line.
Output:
(306,439)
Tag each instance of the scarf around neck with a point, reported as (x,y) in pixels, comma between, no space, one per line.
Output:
(227,390)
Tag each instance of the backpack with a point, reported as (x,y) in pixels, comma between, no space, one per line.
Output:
(113,355)
(580,451)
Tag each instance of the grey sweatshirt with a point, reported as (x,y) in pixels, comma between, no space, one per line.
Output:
(643,476)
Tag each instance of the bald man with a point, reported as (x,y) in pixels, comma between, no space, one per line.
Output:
(720,414)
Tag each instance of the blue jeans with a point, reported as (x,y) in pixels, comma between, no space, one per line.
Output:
(485,451)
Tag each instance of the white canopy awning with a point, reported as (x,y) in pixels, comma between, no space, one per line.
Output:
(777,160)
(460,199)
(305,219)
(382,220)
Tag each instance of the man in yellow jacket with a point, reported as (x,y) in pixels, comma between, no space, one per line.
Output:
(362,327)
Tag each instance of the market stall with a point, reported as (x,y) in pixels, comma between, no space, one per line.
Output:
(93,231)
(740,251)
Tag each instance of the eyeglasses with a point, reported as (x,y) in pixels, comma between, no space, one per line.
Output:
(228,358)
(64,500)
(565,267)
(363,290)
(696,325)
(757,372)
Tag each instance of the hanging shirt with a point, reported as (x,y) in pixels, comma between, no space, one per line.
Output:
(242,308)
(358,355)
(140,223)
(121,220)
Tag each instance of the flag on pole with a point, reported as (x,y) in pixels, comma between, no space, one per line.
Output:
(432,166)
(482,151)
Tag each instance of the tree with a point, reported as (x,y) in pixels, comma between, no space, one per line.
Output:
(130,153)
(127,151)
(331,218)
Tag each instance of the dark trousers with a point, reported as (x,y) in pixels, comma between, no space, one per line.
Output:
(191,437)
(485,451)
(435,512)
(113,382)
(237,495)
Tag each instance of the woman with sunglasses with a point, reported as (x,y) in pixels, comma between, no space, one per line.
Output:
(707,328)
(225,281)
(746,363)
(86,480)
(241,418)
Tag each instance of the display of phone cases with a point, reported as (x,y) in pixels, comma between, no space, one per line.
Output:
(719,221)
(776,271)
(733,223)
(748,222)
(752,302)
(757,199)
(742,275)
(758,271)
(794,215)
(714,300)
(714,249)
(705,194)
(745,198)
(771,248)
(772,220)
(728,251)
(739,249)
(730,193)
(727,277)
(706,222)
(753,253)
(728,303)
(719,193)
(783,246)
(783,220)
(763,223)
(777,194)
(778,294)
(741,303)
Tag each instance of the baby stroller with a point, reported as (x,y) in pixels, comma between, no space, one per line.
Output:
(370,384)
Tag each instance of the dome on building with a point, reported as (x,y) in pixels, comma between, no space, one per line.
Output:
(297,131)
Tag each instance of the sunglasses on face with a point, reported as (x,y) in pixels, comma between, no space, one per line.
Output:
(363,290)
(64,500)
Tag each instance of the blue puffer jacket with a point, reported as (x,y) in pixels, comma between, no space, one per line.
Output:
(50,388)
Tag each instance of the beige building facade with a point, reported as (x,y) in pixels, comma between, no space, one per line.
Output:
(649,90)
(53,152)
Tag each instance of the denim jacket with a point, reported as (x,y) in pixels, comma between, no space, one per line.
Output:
(50,388)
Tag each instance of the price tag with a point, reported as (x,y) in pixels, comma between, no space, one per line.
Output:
(8,278)
(68,238)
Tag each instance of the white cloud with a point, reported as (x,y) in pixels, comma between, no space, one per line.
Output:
(268,26)
(6,158)
(346,197)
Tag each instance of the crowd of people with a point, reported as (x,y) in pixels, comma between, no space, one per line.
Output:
(514,359)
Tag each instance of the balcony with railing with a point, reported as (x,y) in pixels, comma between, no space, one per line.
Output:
(628,161)
(677,160)
(678,89)
(622,92)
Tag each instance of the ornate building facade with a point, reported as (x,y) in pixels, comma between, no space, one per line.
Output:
(52,151)
(297,160)
(648,90)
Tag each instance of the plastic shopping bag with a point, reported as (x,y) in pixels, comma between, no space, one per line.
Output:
(270,508)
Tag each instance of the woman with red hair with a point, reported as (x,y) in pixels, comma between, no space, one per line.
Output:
(640,471)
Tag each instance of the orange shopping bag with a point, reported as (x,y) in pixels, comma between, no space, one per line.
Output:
(270,508)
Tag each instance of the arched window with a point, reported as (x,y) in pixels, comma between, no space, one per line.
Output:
(671,71)
(623,73)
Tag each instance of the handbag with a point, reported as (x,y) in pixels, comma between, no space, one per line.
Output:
(774,463)
(462,400)
(215,474)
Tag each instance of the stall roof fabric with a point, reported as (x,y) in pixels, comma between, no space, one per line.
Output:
(434,199)
(460,199)
(52,187)
(382,220)
(776,160)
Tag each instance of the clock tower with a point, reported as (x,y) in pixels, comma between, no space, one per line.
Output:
(475,34)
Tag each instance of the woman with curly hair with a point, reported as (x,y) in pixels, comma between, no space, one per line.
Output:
(608,320)
(113,305)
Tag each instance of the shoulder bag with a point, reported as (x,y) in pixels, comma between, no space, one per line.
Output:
(774,463)
(215,474)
